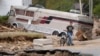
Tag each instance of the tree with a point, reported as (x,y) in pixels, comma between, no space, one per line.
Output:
(97,10)
(96,2)
(40,2)
(63,5)
(34,2)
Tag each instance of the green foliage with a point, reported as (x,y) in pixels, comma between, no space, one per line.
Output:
(96,2)
(41,2)
(66,5)
(3,19)
(97,10)
(35,2)
(63,5)
(51,4)
(84,1)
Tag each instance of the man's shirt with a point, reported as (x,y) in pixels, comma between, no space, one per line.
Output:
(70,28)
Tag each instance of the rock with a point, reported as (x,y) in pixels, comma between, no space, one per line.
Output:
(55,39)
(43,43)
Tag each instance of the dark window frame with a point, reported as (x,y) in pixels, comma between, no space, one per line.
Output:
(20,11)
(30,13)
(11,13)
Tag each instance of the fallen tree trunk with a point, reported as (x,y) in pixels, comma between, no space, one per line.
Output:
(20,36)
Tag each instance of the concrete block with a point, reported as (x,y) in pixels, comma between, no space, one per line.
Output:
(43,47)
(43,41)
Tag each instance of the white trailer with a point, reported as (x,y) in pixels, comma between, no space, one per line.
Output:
(45,20)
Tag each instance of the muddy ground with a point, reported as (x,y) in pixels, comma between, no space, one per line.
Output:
(13,46)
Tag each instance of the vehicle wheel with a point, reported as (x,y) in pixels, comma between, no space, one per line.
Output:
(14,25)
(55,33)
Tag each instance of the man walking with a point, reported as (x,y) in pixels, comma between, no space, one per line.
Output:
(70,33)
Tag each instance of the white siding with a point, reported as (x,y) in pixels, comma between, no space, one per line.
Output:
(5,5)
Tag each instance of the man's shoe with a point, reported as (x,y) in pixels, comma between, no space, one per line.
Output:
(68,44)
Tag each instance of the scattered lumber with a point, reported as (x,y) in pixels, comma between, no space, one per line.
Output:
(83,35)
(9,29)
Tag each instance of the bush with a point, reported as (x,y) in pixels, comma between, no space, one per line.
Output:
(97,10)
(3,19)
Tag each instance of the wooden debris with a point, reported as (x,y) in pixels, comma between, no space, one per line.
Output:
(9,29)
(84,34)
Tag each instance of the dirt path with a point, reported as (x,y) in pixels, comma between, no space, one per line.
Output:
(91,47)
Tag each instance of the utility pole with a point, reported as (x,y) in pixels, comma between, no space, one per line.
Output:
(80,2)
(90,9)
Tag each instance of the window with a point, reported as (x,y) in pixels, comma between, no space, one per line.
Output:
(12,13)
(35,22)
(29,13)
(20,19)
(20,12)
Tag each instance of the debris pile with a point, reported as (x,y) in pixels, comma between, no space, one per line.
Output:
(15,46)
(16,40)
(96,29)
(43,44)
(9,29)
(84,33)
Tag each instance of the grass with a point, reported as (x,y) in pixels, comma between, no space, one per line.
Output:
(3,19)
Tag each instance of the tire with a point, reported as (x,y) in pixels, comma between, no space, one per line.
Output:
(14,25)
(55,33)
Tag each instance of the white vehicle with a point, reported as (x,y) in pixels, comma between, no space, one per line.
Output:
(45,20)
(75,11)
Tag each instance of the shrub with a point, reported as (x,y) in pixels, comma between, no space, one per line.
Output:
(3,19)
(97,10)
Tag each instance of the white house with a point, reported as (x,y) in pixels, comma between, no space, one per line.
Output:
(6,4)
